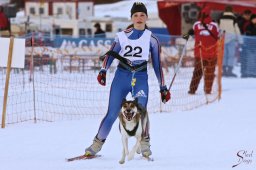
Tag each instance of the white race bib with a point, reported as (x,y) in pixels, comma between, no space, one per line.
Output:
(134,50)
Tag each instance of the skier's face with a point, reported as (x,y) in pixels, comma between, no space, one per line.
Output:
(139,20)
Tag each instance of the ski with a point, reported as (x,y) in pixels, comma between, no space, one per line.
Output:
(82,157)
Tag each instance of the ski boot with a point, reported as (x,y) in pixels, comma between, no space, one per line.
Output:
(95,147)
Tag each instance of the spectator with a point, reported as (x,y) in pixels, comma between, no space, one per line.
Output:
(4,23)
(244,20)
(228,23)
(248,66)
(251,28)
(99,33)
(206,36)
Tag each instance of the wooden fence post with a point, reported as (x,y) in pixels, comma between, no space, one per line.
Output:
(9,64)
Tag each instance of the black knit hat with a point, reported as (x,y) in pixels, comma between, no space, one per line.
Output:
(138,7)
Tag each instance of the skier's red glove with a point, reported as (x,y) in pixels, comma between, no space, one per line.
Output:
(165,94)
(102,77)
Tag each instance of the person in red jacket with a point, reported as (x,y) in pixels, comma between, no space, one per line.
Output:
(206,36)
(4,21)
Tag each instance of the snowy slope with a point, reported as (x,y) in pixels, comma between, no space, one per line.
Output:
(122,8)
(205,138)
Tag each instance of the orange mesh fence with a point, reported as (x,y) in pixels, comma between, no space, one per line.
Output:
(220,55)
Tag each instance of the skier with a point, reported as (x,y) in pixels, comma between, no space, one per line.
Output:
(133,44)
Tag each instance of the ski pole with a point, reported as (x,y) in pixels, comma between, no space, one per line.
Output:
(186,37)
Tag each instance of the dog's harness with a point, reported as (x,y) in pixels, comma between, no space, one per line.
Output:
(126,64)
(133,132)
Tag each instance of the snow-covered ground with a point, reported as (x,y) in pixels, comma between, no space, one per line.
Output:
(215,136)
(117,9)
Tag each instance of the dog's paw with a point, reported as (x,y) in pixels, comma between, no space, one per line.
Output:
(138,151)
(121,161)
(130,157)
(126,153)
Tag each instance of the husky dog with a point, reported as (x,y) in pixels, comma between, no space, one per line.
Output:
(132,119)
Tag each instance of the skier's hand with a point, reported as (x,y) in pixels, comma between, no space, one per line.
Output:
(185,36)
(102,77)
(165,94)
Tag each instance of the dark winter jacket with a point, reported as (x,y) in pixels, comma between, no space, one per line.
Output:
(242,23)
(251,28)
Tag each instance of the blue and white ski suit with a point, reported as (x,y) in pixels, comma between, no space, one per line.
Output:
(121,84)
